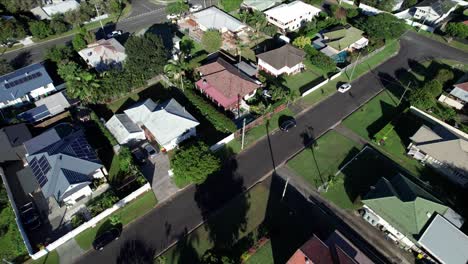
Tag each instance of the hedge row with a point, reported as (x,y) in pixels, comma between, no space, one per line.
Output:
(104,129)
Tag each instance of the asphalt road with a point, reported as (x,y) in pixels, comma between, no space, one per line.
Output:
(164,225)
(144,14)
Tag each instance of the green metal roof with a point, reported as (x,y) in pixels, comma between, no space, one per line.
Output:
(261,5)
(342,38)
(403,204)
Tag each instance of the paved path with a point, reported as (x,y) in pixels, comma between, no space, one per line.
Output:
(170,221)
(157,173)
(69,251)
(345,131)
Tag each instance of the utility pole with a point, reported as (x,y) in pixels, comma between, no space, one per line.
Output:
(285,186)
(354,68)
(243,134)
(100,21)
(406,89)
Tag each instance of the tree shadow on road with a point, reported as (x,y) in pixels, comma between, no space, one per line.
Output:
(21,60)
(135,252)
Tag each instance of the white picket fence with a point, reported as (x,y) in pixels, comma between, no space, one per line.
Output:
(321,84)
(222,142)
(89,224)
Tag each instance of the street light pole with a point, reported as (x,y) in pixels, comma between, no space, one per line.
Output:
(243,135)
(100,21)
(285,186)
(354,68)
(406,89)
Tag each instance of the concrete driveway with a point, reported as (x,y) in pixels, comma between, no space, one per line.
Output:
(156,171)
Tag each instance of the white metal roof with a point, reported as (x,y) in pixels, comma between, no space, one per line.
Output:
(212,17)
(288,12)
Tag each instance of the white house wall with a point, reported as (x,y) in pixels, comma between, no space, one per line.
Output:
(42,90)
(277,72)
(85,191)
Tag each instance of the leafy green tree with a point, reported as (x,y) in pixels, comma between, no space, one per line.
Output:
(382,26)
(177,8)
(352,13)
(11,30)
(421,98)
(186,45)
(58,27)
(434,87)
(212,40)
(40,29)
(230,5)
(59,54)
(457,29)
(323,62)
(115,6)
(15,6)
(301,41)
(444,75)
(81,84)
(5,67)
(176,70)
(445,113)
(212,257)
(78,42)
(386,5)
(194,163)
(408,3)
(146,55)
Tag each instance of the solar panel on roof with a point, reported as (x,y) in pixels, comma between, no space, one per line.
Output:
(23,80)
(39,169)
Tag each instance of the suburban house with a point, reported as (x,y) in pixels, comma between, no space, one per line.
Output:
(433,11)
(63,164)
(458,97)
(104,54)
(54,8)
(231,29)
(337,249)
(226,85)
(401,209)
(292,16)
(11,142)
(259,5)
(284,60)
(167,123)
(442,150)
(340,39)
(46,107)
(24,85)
(444,241)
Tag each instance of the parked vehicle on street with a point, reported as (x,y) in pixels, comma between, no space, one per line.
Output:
(172,16)
(344,87)
(114,33)
(150,150)
(288,124)
(105,238)
(196,8)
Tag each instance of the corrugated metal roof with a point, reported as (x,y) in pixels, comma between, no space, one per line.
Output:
(213,17)
(35,114)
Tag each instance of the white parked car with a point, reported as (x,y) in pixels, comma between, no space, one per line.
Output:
(344,87)
(196,8)
(114,33)
(172,16)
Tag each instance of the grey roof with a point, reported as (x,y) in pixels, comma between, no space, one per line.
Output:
(17,84)
(27,180)
(460,93)
(439,6)
(69,158)
(442,145)
(261,5)
(127,123)
(247,68)
(445,242)
(166,121)
(121,126)
(11,142)
(286,55)
(213,17)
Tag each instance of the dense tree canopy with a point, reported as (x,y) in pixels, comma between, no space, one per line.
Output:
(11,30)
(177,8)
(212,40)
(81,84)
(40,29)
(5,67)
(457,29)
(15,6)
(382,26)
(194,163)
(230,5)
(386,5)
(59,54)
(146,55)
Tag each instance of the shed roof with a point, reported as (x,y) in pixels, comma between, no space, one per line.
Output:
(445,242)
(17,84)
(286,55)
(288,12)
(11,142)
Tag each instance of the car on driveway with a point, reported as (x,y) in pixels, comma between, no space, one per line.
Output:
(114,33)
(150,150)
(196,8)
(139,156)
(172,16)
(30,216)
(288,124)
(105,238)
(344,87)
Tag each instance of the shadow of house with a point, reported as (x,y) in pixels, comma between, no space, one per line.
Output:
(388,113)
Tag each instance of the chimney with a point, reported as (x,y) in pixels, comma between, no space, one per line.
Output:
(204,82)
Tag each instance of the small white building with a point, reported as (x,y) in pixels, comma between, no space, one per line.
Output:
(434,11)
(104,54)
(167,123)
(284,60)
(25,85)
(56,7)
(292,16)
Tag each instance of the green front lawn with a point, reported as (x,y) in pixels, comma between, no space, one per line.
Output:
(298,82)
(51,258)
(454,43)
(263,255)
(317,164)
(257,132)
(361,69)
(237,218)
(135,209)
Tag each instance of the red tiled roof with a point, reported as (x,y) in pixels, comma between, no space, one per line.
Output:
(463,86)
(222,82)
(313,250)
(465,22)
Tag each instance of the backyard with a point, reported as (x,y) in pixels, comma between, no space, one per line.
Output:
(263,255)
(135,209)
(309,77)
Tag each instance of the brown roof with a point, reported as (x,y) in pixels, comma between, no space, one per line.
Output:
(463,86)
(224,82)
(287,55)
(313,250)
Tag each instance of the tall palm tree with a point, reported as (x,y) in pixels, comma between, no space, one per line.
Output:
(177,69)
